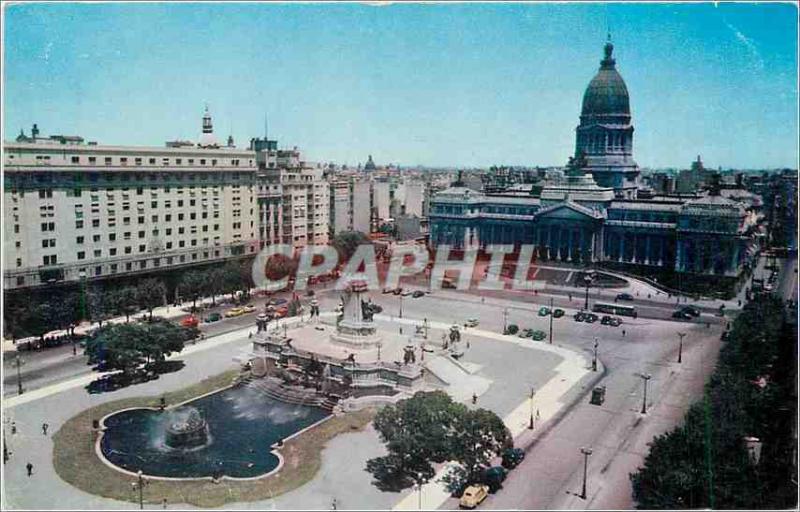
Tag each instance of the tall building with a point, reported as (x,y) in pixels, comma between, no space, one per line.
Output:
(350,205)
(594,211)
(74,209)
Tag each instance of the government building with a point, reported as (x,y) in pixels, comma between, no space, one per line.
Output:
(596,211)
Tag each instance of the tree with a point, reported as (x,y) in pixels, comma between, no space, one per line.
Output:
(215,282)
(127,301)
(430,428)
(151,294)
(347,242)
(101,306)
(192,285)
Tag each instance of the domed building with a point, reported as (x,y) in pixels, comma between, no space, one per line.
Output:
(604,137)
(595,212)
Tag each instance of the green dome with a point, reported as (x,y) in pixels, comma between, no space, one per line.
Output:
(606,94)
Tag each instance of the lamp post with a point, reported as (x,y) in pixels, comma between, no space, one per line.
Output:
(645,377)
(587,280)
(420,481)
(680,346)
(18,362)
(141,481)
(505,320)
(594,359)
(551,320)
(401,305)
(586,452)
(530,424)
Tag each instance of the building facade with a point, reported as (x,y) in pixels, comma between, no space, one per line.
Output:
(595,211)
(75,210)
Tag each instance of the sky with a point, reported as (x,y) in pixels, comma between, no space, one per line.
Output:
(422,84)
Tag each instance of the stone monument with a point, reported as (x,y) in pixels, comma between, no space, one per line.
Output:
(356,327)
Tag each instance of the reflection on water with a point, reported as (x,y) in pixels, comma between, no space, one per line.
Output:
(242,425)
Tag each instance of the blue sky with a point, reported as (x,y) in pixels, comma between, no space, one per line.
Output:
(464,84)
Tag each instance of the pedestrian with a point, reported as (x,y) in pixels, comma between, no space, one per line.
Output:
(29,467)
(708,325)
(164,503)
(333,504)
(474,398)
(44,428)
(623,333)
(739,302)
(13,427)
(570,296)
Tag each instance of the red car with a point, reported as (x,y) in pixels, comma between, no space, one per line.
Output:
(281,311)
(190,321)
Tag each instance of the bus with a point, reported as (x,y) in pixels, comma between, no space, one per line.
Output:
(615,309)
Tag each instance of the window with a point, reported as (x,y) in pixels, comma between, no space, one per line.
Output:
(76,159)
(98,270)
(128,250)
(95,223)
(96,238)
(48,226)
(180,216)
(92,159)
(50,260)
(169,245)
(113,267)
(141,234)
(180,230)
(20,279)
(152,161)
(78,224)
(178,161)
(112,251)
(168,217)
(192,216)
(139,191)
(112,237)
(45,194)
(153,204)
(141,220)
(137,161)
(108,160)
(142,248)
(128,266)
(155,218)
(19,263)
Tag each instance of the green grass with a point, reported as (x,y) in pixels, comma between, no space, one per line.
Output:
(76,462)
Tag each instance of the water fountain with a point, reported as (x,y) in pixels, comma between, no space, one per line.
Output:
(186,429)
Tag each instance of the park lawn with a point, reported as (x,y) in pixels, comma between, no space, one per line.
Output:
(76,461)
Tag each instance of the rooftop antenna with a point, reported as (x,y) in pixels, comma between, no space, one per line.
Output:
(266,127)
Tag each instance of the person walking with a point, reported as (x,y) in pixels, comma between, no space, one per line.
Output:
(623,333)
(13,427)
(29,467)
(333,504)
(45,426)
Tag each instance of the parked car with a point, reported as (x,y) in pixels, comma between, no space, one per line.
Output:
(525,333)
(397,291)
(213,317)
(590,318)
(615,322)
(624,296)
(558,313)
(234,312)
(538,335)
(387,290)
(473,496)
(281,311)
(579,316)
(471,322)
(692,310)
(606,320)
(544,311)
(190,321)
(276,301)
(417,294)
(512,457)
(682,315)
(494,477)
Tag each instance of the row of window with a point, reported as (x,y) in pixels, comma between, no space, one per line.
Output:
(123,160)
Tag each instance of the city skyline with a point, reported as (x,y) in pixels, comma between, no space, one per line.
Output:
(411,84)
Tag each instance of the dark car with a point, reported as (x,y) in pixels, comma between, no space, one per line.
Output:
(277,301)
(558,313)
(590,318)
(615,322)
(494,477)
(692,310)
(579,316)
(624,296)
(397,291)
(606,320)
(417,294)
(213,317)
(512,457)
(726,336)
(682,314)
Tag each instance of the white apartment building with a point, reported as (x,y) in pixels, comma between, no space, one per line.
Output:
(75,209)
(351,204)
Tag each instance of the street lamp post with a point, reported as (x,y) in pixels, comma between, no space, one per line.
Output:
(551,320)
(587,281)
(401,305)
(505,320)
(586,452)
(645,377)
(530,424)
(680,346)
(18,362)
(594,359)
(141,481)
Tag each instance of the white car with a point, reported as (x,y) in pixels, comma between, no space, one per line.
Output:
(472,322)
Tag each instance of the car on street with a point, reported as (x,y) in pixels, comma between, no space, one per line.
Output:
(558,313)
(471,322)
(615,322)
(387,290)
(473,496)
(590,318)
(417,294)
(538,335)
(682,314)
(624,296)
(606,320)
(234,312)
(544,311)
(525,333)
(692,310)
(248,308)
(725,336)
(281,311)
(494,478)
(397,291)
(512,457)
(190,321)
(580,316)
(213,317)
(277,301)
(406,293)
